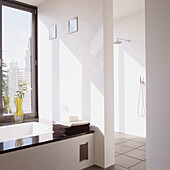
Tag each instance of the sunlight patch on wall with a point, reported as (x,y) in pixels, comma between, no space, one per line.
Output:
(116,86)
(97,107)
(70,84)
(97,42)
(44,73)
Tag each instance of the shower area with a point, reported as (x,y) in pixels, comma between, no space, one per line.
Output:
(129,67)
(129,84)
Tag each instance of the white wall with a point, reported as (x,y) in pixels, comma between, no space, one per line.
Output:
(158,84)
(109,155)
(129,66)
(76,60)
(44,74)
(79,68)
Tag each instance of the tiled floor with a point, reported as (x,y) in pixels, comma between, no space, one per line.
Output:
(130,153)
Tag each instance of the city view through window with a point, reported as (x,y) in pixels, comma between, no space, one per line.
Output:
(16,55)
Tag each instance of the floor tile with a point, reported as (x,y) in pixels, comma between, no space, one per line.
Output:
(123,135)
(139,139)
(110,168)
(143,148)
(117,154)
(116,167)
(117,133)
(140,166)
(120,149)
(132,144)
(93,168)
(137,154)
(126,162)
(120,140)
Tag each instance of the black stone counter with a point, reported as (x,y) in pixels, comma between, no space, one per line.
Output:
(24,143)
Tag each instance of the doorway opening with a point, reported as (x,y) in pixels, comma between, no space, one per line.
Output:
(130,83)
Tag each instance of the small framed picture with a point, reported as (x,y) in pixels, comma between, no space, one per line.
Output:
(53,32)
(73,25)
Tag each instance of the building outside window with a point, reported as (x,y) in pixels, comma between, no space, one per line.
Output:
(18,37)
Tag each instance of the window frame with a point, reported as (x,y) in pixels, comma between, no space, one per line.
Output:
(33,10)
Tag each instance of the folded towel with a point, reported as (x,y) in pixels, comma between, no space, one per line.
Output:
(73,118)
(61,130)
(77,129)
(75,123)
(78,123)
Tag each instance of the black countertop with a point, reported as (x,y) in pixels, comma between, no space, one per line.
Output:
(24,143)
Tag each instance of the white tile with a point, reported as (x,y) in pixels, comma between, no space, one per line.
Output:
(126,162)
(137,154)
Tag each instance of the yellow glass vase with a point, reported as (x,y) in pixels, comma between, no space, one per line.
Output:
(19,143)
(19,115)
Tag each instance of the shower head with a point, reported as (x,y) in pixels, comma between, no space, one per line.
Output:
(120,42)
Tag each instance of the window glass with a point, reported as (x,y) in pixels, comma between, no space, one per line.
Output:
(16,56)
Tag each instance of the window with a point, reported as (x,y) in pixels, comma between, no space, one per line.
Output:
(19,57)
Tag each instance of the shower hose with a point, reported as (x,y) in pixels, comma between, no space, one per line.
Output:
(141,110)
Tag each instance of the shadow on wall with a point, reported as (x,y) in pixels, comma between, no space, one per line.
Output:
(77,63)
(81,88)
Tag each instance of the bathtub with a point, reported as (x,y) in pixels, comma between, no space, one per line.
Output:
(51,155)
(25,130)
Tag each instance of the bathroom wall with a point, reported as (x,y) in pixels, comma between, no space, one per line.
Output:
(129,65)
(73,62)
(158,84)
(76,70)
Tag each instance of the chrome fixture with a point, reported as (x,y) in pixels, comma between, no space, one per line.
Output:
(120,42)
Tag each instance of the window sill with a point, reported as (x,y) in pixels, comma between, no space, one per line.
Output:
(9,114)
(9,120)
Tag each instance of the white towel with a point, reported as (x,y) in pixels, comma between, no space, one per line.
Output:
(77,123)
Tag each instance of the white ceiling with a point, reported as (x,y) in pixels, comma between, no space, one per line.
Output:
(124,8)
(33,2)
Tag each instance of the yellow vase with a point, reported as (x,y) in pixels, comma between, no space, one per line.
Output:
(19,142)
(18,116)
